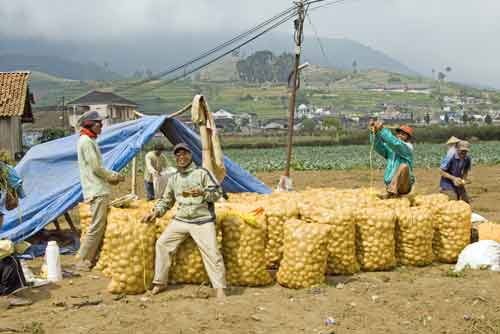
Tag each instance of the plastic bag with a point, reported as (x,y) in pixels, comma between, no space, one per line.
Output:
(484,253)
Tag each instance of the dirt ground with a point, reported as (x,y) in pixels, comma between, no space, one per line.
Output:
(405,300)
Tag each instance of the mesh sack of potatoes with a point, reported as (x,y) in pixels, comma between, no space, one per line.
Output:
(430,201)
(375,243)
(277,211)
(187,266)
(244,237)
(85,214)
(452,230)
(130,249)
(398,205)
(414,235)
(305,254)
(342,258)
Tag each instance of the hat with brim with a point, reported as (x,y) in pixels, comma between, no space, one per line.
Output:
(181,146)
(463,146)
(90,116)
(406,129)
(453,140)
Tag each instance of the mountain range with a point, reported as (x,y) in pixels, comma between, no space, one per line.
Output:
(115,59)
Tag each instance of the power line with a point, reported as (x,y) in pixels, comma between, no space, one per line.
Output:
(231,50)
(318,39)
(282,17)
(215,49)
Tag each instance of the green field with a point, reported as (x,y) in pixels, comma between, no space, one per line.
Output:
(350,157)
(321,87)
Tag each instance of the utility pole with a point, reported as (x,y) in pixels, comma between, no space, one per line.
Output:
(285,181)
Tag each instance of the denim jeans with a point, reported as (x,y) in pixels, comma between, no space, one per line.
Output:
(150,190)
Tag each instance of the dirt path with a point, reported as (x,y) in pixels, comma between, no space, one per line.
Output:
(406,300)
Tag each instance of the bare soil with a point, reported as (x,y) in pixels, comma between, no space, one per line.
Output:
(406,300)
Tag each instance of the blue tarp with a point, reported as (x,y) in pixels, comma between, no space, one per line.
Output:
(52,180)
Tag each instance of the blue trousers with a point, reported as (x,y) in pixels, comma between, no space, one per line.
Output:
(150,190)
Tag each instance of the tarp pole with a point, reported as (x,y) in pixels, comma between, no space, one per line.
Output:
(134,176)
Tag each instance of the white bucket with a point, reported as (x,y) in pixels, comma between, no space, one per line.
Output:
(53,261)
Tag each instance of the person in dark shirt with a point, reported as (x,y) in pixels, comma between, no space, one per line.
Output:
(454,174)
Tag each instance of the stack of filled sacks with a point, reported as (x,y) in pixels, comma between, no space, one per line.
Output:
(127,252)
(452,230)
(305,254)
(414,235)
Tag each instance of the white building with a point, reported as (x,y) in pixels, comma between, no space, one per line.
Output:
(114,108)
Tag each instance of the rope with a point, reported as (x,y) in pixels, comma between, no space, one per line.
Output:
(372,147)
(144,261)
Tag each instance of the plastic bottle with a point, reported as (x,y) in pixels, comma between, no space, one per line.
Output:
(28,274)
(53,260)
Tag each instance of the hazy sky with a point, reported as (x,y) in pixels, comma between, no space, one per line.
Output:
(423,34)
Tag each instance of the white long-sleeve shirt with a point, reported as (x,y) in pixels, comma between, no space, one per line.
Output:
(154,164)
(93,176)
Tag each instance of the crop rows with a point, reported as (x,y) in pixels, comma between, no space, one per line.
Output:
(350,157)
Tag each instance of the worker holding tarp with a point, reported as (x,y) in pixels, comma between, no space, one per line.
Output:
(195,190)
(95,180)
(398,152)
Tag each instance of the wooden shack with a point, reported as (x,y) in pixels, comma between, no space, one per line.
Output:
(15,109)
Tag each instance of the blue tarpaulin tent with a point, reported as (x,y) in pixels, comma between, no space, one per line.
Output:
(52,180)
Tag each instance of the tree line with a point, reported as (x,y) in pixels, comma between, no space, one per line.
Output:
(264,66)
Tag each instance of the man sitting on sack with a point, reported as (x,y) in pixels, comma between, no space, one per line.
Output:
(398,152)
(95,180)
(195,190)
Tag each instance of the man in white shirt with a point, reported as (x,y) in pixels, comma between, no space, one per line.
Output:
(95,180)
(155,162)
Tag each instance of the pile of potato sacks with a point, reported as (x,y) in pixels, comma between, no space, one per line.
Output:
(304,235)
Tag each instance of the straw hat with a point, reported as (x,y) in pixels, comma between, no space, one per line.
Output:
(453,140)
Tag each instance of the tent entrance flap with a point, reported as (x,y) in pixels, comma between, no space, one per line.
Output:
(52,180)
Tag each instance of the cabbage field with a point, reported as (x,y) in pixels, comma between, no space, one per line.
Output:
(350,157)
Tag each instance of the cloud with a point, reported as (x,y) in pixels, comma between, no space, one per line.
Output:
(421,33)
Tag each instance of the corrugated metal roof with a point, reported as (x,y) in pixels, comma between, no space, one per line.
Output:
(13,93)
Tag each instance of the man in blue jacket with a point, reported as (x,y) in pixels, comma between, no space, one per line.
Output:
(398,152)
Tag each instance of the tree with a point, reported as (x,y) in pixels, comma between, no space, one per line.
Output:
(441,76)
(355,67)
(447,69)
(427,118)
(465,118)
(282,67)
(332,122)
(308,125)
(488,120)
(446,118)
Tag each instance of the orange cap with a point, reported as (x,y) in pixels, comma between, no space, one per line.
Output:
(406,129)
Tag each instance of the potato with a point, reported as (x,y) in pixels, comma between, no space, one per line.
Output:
(244,247)
(305,254)
(414,235)
(452,230)
(375,242)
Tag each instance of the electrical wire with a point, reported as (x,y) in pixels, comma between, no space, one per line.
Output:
(319,40)
(279,23)
(282,17)
(215,49)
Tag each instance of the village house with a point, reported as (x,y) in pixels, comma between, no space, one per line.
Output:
(222,114)
(15,109)
(115,108)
